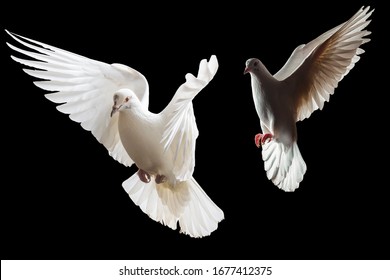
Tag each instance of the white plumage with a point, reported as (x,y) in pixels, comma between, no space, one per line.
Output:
(301,86)
(112,101)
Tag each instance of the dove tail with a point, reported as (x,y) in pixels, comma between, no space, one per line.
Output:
(284,164)
(185,203)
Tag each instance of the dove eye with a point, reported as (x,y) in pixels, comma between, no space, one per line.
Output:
(255,64)
(126,99)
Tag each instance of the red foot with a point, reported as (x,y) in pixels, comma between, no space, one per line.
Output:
(260,139)
(143,176)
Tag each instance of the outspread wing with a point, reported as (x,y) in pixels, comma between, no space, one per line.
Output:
(328,63)
(85,87)
(181,131)
(300,53)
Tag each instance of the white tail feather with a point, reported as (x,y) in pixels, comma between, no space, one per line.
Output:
(284,165)
(185,203)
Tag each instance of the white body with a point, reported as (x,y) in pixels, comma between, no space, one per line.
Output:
(141,137)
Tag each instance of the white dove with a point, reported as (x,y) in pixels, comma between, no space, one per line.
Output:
(300,87)
(111,101)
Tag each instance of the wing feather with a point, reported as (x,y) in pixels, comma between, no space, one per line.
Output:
(85,87)
(181,131)
(321,71)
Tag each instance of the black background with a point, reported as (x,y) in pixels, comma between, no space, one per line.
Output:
(61,196)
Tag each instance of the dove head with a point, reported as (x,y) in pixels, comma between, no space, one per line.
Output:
(124,99)
(252,65)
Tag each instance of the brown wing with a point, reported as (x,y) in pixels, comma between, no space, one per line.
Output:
(316,79)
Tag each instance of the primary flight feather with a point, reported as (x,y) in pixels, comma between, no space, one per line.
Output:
(301,86)
(111,101)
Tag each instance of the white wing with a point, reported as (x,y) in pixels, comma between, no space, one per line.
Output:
(181,131)
(328,63)
(86,88)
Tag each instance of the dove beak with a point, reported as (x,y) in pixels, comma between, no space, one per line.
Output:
(114,110)
(247,70)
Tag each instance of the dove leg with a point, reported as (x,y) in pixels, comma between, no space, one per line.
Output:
(261,138)
(160,179)
(143,176)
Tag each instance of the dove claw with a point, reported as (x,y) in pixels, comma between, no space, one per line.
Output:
(160,179)
(260,139)
(143,176)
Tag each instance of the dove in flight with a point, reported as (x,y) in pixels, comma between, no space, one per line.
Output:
(300,87)
(111,101)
